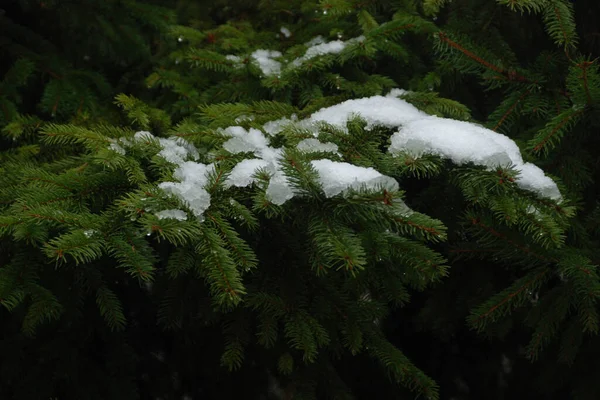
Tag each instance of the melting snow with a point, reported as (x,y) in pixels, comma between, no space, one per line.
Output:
(174,214)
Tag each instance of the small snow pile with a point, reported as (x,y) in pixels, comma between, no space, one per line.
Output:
(278,125)
(337,177)
(388,111)
(279,190)
(285,31)
(462,142)
(314,145)
(173,214)
(192,178)
(266,59)
(315,41)
(334,177)
(174,150)
(266,62)
(242,140)
(420,133)
(241,174)
(237,60)
(465,142)
(116,147)
(319,49)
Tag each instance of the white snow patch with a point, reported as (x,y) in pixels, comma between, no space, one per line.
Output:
(322,48)
(244,118)
(279,190)
(420,133)
(278,125)
(396,92)
(177,150)
(267,59)
(173,214)
(337,177)
(233,58)
(116,147)
(466,142)
(386,111)
(243,140)
(314,145)
(532,178)
(285,31)
(193,177)
(459,141)
(174,150)
(315,41)
(266,62)
(241,174)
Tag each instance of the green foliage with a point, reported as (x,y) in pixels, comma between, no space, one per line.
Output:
(292,292)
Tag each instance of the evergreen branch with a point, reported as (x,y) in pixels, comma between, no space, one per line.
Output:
(504,302)
(420,226)
(366,21)
(424,264)
(338,245)
(511,108)
(13,299)
(77,244)
(305,333)
(510,75)
(424,166)
(240,213)
(550,312)
(524,5)
(243,254)
(584,74)
(583,82)
(300,173)
(560,23)
(72,134)
(285,364)
(394,29)
(44,307)
(17,76)
(110,308)
(224,279)
(548,137)
(432,7)
(133,253)
(476,221)
(267,330)
(233,356)
(267,304)
(180,262)
(400,368)
(444,38)
(208,60)
(432,104)
(586,283)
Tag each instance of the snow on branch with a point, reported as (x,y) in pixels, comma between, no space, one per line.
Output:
(270,61)
(459,141)
(417,134)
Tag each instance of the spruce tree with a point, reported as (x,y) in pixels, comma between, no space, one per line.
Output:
(276,196)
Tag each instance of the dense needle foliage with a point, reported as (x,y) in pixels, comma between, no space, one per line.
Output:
(457,283)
